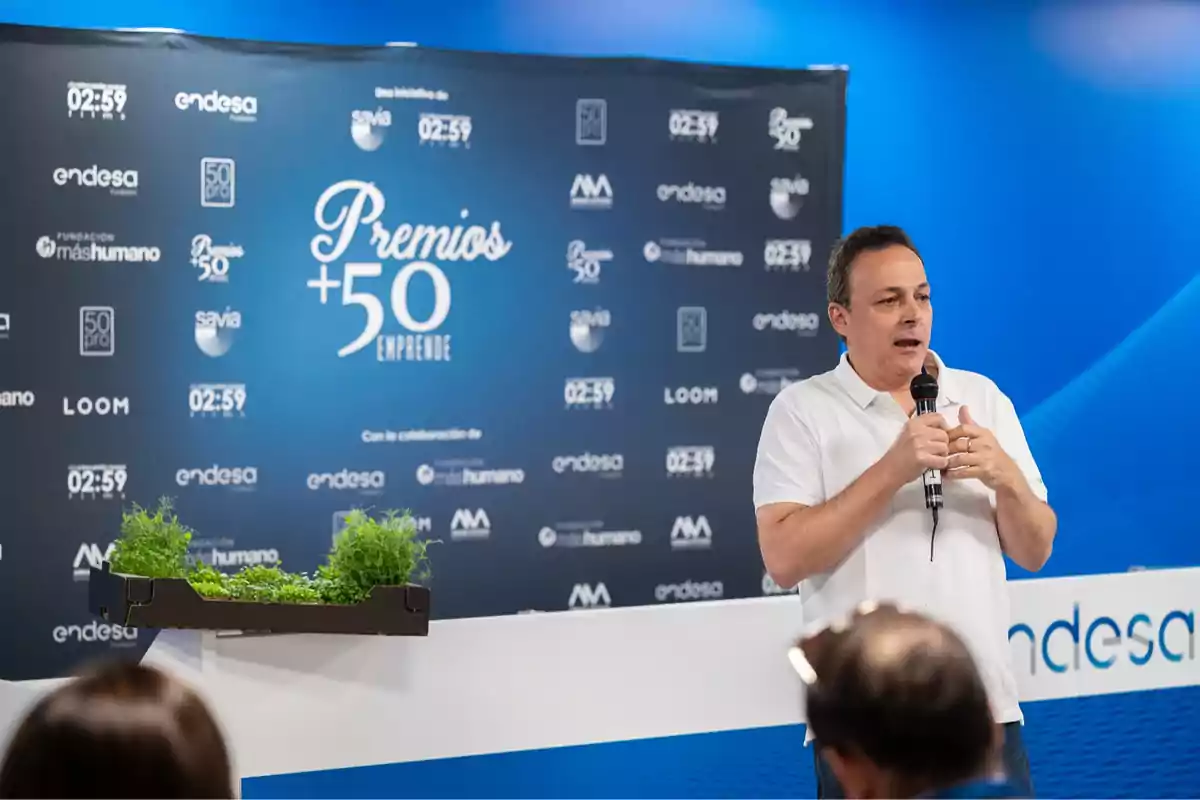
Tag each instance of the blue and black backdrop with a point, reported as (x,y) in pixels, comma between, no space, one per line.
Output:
(543,303)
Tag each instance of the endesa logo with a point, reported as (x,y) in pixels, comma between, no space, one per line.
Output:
(238,109)
(367,482)
(1101,642)
(710,197)
(95,632)
(801,324)
(243,478)
(122,182)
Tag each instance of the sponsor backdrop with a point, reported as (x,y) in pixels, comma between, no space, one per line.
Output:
(541,302)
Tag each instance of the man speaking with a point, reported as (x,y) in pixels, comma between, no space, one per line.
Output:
(842,465)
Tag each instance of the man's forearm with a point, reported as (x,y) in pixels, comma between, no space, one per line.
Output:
(813,540)
(1026,524)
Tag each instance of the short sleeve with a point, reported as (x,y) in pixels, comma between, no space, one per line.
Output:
(1011,437)
(787,468)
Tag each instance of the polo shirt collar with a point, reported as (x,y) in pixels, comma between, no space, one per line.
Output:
(864,395)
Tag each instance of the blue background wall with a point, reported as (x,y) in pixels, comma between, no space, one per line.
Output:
(1044,157)
(1042,154)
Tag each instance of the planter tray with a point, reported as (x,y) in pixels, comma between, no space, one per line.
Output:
(136,602)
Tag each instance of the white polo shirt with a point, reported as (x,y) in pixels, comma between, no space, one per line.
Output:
(822,433)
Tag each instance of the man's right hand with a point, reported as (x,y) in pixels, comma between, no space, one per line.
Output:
(922,444)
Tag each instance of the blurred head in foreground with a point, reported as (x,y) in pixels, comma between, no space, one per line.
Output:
(122,730)
(896,704)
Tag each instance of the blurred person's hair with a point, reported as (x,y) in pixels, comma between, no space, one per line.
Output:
(902,692)
(118,730)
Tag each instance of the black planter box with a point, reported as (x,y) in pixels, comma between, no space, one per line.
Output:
(136,602)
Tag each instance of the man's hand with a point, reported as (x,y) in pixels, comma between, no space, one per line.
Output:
(975,453)
(922,444)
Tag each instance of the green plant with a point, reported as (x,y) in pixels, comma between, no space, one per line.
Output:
(152,543)
(367,553)
(376,552)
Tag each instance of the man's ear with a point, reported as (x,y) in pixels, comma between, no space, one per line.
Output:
(855,775)
(838,318)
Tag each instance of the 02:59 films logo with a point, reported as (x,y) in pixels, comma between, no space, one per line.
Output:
(96,481)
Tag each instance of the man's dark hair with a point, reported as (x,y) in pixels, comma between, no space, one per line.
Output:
(861,240)
(121,730)
(902,691)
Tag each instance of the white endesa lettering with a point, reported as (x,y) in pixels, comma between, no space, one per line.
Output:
(362,203)
(95,176)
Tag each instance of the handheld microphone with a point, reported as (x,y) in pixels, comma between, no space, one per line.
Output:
(924,389)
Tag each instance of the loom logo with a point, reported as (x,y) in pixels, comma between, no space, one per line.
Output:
(1101,642)
(97,406)
(690,395)
(585,595)
(369,128)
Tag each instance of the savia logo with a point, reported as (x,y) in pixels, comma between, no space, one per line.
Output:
(607,465)
(96,406)
(89,100)
(585,595)
(1100,642)
(238,478)
(213,260)
(365,481)
(217,399)
(787,196)
(238,109)
(689,590)
(690,395)
(341,210)
(89,557)
(589,393)
(769,381)
(787,255)
(455,475)
(470,524)
(215,331)
(588,327)
(451,130)
(369,128)
(710,197)
(88,247)
(695,126)
(95,631)
(691,533)
(801,324)
(118,181)
(690,253)
(785,130)
(691,461)
(17,399)
(591,193)
(585,263)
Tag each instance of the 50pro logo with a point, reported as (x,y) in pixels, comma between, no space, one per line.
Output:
(1065,643)
(362,204)
(215,331)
